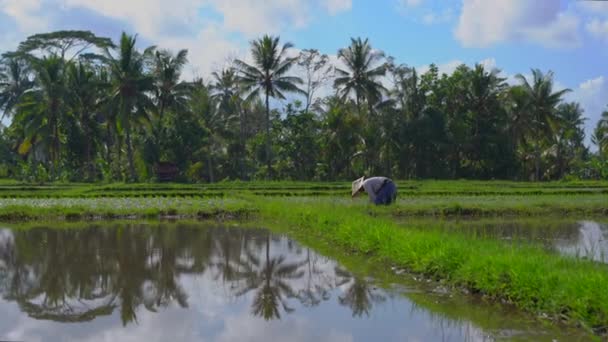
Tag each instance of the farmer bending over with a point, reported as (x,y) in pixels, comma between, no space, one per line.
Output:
(381,190)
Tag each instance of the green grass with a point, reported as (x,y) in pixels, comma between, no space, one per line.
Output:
(533,279)
(24,209)
(407,189)
(526,275)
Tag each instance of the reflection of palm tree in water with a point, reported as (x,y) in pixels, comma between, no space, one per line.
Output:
(270,280)
(318,282)
(359,296)
(78,275)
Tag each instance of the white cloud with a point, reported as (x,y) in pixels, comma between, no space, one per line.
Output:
(432,18)
(591,94)
(208,50)
(252,17)
(449,67)
(26,13)
(177,24)
(410,3)
(336,6)
(598,28)
(593,7)
(484,23)
(148,17)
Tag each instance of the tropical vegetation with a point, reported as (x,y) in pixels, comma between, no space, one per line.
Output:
(84,108)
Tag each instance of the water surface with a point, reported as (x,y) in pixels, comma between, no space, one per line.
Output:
(586,239)
(194,282)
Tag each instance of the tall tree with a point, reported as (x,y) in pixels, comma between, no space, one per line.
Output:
(60,43)
(318,71)
(170,93)
(543,101)
(224,90)
(14,81)
(130,85)
(43,109)
(568,136)
(600,134)
(362,74)
(225,93)
(85,99)
(267,76)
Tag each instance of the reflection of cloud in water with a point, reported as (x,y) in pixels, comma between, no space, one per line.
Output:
(591,242)
(157,265)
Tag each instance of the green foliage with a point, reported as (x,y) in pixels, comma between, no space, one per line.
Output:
(195,172)
(89,110)
(526,275)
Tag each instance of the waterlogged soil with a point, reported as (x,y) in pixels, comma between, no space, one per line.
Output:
(192,282)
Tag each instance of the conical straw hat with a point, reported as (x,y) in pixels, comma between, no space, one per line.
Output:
(357,185)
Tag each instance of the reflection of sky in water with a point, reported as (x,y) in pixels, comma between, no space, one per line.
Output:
(590,242)
(215,313)
(582,239)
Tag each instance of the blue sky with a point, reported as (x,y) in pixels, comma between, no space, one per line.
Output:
(568,37)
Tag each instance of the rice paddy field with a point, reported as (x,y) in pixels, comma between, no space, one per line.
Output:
(525,252)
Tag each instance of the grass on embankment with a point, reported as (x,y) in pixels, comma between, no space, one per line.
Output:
(533,279)
(15,210)
(430,188)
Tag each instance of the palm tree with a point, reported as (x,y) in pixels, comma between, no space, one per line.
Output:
(542,108)
(14,81)
(84,99)
(129,87)
(362,75)
(224,89)
(43,108)
(170,92)
(225,93)
(267,76)
(600,134)
(569,135)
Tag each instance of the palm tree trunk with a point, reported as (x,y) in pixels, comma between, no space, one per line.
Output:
(56,145)
(130,154)
(268,157)
(210,168)
(537,161)
(118,164)
(560,161)
(108,143)
(87,153)
(241,143)
(158,130)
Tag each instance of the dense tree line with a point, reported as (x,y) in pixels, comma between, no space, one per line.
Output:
(83,108)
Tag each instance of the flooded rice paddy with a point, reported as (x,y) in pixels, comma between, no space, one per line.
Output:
(201,282)
(585,239)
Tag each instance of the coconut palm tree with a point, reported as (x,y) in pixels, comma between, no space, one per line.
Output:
(84,99)
(362,74)
(569,135)
(267,76)
(43,108)
(170,92)
(14,81)
(541,109)
(600,134)
(130,85)
(224,89)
